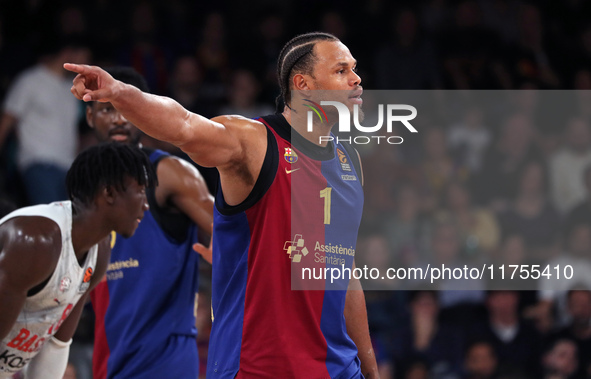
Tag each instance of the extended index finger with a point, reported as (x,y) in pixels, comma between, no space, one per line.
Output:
(78,68)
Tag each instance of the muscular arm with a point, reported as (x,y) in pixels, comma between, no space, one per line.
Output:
(182,186)
(29,251)
(233,144)
(358,329)
(208,142)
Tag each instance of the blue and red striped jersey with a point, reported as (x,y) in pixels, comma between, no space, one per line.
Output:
(304,211)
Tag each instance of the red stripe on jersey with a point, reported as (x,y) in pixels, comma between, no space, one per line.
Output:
(281,330)
(100,357)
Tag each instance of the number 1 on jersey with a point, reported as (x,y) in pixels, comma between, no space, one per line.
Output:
(325,194)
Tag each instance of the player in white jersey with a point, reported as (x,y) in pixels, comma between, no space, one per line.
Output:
(51,256)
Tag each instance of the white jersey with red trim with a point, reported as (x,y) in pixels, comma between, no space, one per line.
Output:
(45,311)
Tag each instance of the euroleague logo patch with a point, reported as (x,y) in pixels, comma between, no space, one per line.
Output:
(343,160)
(87,275)
(86,280)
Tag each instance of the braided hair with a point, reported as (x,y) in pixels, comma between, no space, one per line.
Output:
(107,164)
(297,56)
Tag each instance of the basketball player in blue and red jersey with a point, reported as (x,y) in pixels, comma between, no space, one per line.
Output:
(145,309)
(262,328)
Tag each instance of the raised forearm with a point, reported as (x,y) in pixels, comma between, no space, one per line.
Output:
(208,142)
(160,117)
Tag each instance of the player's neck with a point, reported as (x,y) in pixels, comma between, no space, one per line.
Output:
(87,229)
(298,121)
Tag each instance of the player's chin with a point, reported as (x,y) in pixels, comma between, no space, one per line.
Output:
(129,232)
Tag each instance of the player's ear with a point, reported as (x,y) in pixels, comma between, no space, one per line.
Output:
(108,193)
(301,82)
(89,115)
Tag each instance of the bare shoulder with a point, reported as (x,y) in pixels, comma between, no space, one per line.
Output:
(252,134)
(223,141)
(30,248)
(238,175)
(176,175)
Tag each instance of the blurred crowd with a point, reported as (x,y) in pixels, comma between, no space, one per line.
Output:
(502,185)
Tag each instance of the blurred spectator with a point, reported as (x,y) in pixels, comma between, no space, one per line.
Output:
(376,254)
(418,369)
(40,106)
(185,86)
(568,164)
(380,195)
(438,344)
(470,51)
(503,17)
(470,138)
(499,177)
(581,214)
(108,29)
(270,38)
(71,21)
(582,81)
(531,214)
(480,361)
(553,289)
(584,44)
(405,228)
(568,17)
(512,250)
(147,54)
(243,96)
(560,361)
(213,56)
(15,54)
(333,22)
(409,62)
(532,58)
(479,230)
(515,342)
(435,15)
(459,296)
(437,167)
(386,312)
(579,328)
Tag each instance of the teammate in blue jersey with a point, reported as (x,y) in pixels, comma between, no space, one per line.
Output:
(253,193)
(145,310)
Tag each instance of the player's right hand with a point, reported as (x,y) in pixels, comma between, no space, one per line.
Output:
(205,251)
(92,83)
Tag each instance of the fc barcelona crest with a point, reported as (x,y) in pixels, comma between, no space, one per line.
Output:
(290,155)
